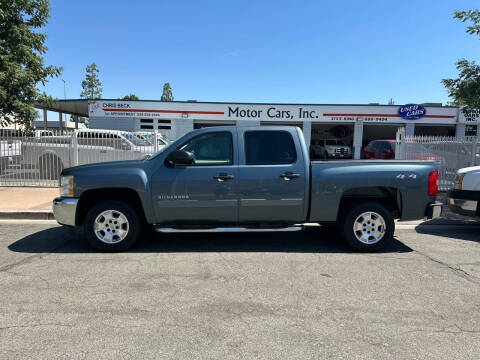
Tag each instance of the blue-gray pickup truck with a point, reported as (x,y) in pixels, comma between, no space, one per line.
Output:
(244,179)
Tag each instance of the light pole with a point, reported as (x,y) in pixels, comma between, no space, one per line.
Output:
(64,98)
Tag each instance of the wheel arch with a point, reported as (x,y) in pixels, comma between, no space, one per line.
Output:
(389,197)
(91,197)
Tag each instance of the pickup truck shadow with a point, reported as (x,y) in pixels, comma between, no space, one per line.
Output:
(454,229)
(311,240)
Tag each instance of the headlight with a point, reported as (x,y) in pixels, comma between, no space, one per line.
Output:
(458,183)
(66,186)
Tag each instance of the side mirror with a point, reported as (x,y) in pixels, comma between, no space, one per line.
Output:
(179,158)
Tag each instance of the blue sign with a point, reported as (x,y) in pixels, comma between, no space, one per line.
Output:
(412,111)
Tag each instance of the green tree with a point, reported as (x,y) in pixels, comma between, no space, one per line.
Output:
(22,67)
(465,90)
(92,87)
(167,94)
(130,97)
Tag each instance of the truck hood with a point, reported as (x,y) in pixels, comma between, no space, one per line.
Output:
(469,169)
(103,166)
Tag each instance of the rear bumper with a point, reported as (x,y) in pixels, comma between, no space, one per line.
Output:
(434,210)
(65,210)
(464,202)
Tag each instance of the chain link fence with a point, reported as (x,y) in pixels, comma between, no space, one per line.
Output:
(451,153)
(38,160)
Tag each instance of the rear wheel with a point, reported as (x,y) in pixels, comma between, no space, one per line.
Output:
(112,225)
(368,227)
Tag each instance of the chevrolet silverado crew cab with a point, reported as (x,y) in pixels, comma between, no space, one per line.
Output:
(244,179)
(464,198)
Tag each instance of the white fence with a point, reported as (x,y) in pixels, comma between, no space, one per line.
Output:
(38,161)
(450,152)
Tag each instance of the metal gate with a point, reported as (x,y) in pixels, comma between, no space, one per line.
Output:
(38,160)
(451,153)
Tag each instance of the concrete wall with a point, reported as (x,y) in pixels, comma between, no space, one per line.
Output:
(113,123)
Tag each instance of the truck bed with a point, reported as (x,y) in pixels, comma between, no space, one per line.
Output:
(333,180)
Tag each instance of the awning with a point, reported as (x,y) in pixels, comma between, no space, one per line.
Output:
(72,107)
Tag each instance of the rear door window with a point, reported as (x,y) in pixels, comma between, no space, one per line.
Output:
(269,148)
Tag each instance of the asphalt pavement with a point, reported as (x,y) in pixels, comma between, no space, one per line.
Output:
(239,296)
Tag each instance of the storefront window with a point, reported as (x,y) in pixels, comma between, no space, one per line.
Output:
(471,130)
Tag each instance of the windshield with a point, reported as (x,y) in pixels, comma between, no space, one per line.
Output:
(135,140)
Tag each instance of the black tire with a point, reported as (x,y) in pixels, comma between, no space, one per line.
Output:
(50,167)
(350,218)
(134,226)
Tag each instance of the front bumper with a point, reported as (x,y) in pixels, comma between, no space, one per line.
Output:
(464,202)
(434,210)
(64,210)
(463,207)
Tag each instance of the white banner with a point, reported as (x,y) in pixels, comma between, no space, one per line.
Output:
(266,112)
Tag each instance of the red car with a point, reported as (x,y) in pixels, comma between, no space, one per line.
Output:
(379,149)
(385,149)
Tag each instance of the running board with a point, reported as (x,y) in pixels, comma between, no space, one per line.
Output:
(225,229)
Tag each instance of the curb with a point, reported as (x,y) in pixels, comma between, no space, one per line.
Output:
(26,215)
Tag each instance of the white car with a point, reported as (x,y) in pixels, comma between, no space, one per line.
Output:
(40,133)
(464,198)
(51,154)
(10,150)
(330,148)
(162,140)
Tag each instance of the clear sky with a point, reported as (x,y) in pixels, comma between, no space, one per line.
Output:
(261,51)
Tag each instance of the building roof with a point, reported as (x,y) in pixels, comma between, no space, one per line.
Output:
(72,107)
(80,106)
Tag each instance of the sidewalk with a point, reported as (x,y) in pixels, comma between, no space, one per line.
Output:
(26,202)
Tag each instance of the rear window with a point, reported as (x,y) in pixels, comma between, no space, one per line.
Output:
(269,147)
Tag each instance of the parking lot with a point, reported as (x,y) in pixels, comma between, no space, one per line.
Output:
(235,296)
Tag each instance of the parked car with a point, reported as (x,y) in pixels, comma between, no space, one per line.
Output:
(10,151)
(385,149)
(244,179)
(51,154)
(40,133)
(329,149)
(162,140)
(464,198)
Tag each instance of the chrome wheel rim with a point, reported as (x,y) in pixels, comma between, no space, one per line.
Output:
(111,226)
(369,228)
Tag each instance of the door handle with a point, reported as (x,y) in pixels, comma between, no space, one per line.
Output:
(223,177)
(289,175)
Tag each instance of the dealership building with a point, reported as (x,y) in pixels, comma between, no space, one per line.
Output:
(355,125)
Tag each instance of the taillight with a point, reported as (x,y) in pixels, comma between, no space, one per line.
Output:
(433,178)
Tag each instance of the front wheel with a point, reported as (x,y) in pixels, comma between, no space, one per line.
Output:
(112,225)
(368,227)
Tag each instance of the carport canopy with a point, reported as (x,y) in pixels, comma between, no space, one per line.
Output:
(75,107)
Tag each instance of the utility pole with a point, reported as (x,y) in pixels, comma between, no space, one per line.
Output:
(64,98)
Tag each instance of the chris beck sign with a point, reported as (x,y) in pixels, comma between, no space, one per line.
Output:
(411,111)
